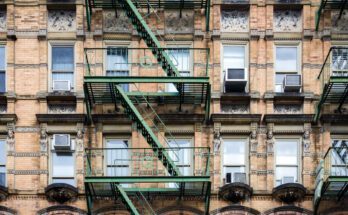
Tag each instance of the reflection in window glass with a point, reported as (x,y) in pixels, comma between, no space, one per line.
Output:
(3,163)
(234,160)
(63,168)
(62,67)
(286,59)
(2,70)
(117,63)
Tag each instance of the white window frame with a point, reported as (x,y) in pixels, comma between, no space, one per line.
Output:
(246,161)
(52,151)
(299,157)
(51,45)
(337,44)
(298,46)
(3,45)
(246,62)
(5,164)
(105,163)
(191,144)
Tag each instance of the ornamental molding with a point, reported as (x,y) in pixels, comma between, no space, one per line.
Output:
(3,17)
(176,24)
(27,129)
(27,172)
(24,154)
(339,25)
(235,108)
(61,20)
(235,21)
(287,108)
(61,108)
(287,21)
(120,23)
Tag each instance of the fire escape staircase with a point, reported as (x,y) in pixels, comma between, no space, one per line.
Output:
(339,5)
(97,87)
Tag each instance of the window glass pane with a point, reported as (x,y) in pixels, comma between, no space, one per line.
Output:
(2,176)
(2,152)
(62,58)
(180,58)
(282,172)
(234,152)
(232,171)
(117,59)
(117,158)
(340,59)
(122,73)
(70,181)
(63,165)
(2,58)
(2,82)
(286,59)
(234,57)
(286,152)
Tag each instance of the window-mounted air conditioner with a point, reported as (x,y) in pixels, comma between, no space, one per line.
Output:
(235,80)
(292,83)
(288,179)
(61,85)
(61,142)
(239,177)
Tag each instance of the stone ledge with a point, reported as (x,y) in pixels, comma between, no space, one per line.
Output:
(235,118)
(284,118)
(57,118)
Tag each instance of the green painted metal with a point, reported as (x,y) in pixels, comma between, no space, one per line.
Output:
(207,199)
(148,134)
(130,206)
(207,16)
(147,179)
(144,79)
(318,16)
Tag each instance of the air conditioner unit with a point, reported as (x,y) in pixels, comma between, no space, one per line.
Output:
(239,177)
(235,80)
(292,83)
(288,179)
(61,142)
(61,85)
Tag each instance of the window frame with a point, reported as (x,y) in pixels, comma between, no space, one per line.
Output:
(299,157)
(105,163)
(51,45)
(244,139)
(246,62)
(337,44)
(2,138)
(191,158)
(73,154)
(298,46)
(5,64)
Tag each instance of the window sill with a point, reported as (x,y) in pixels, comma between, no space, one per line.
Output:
(235,192)
(289,192)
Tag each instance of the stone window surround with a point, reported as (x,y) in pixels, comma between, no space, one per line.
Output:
(53,43)
(299,155)
(298,45)
(247,152)
(247,50)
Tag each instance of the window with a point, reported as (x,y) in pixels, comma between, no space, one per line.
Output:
(339,157)
(234,68)
(63,165)
(339,65)
(117,63)
(181,58)
(286,63)
(62,68)
(2,70)
(182,157)
(234,161)
(286,159)
(117,157)
(2,163)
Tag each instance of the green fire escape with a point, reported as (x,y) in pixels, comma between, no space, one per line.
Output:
(132,178)
(334,79)
(340,5)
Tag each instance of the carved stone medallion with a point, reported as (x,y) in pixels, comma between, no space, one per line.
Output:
(288,109)
(61,108)
(121,23)
(235,108)
(287,21)
(234,21)
(176,24)
(61,20)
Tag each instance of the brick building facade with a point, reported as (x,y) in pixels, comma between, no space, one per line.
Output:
(264,138)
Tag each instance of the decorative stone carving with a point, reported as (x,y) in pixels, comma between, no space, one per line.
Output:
(121,23)
(287,21)
(289,193)
(3,108)
(235,192)
(253,138)
(270,138)
(234,21)
(339,24)
(10,140)
(61,108)
(235,108)
(79,140)
(61,192)
(43,138)
(3,193)
(3,26)
(306,138)
(61,20)
(287,109)
(176,24)
(217,140)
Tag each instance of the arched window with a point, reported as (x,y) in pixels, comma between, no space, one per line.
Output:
(288,210)
(235,210)
(179,210)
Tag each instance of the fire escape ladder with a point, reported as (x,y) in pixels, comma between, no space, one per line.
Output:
(126,200)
